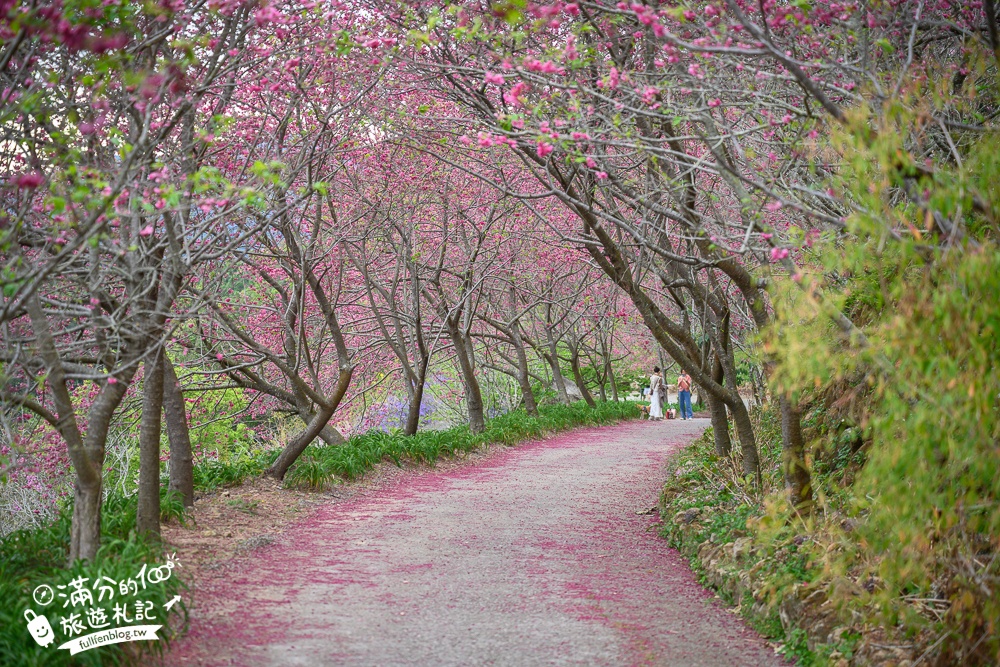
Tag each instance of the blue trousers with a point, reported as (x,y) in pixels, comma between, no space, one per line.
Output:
(684,399)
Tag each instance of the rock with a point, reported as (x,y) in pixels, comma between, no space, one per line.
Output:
(706,552)
(842,588)
(790,609)
(688,516)
(572,390)
(818,618)
(879,656)
(742,585)
(741,547)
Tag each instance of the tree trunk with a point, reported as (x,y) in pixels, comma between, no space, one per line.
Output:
(416,398)
(530,405)
(523,377)
(474,401)
(147,520)
(614,383)
(327,434)
(720,423)
(574,362)
(524,381)
(85,529)
(793,455)
(331,436)
(413,413)
(473,393)
(553,359)
(602,387)
(85,535)
(559,381)
(175,414)
(298,444)
(720,426)
(748,443)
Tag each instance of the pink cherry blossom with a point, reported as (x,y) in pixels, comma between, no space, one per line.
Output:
(28,181)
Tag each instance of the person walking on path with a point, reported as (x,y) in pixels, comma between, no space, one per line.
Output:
(684,396)
(656,395)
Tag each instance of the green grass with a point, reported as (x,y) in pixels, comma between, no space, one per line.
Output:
(31,558)
(726,510)
(320,467)
(211,473)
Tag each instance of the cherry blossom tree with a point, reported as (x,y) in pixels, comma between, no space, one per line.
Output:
(104,200)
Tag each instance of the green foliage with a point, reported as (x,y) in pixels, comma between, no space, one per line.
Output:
(172,506)
(30,558)
(213,473)
(214,429)
(920,278)
(322,466)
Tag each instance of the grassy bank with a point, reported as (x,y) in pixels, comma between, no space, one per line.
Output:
(813,584)
(320,466)
(710,513)
(31,558)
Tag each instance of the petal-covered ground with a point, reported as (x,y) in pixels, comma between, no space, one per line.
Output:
(535,555)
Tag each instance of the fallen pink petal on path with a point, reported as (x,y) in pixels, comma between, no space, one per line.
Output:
(534,555)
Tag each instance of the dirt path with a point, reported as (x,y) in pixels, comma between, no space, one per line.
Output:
(533,556)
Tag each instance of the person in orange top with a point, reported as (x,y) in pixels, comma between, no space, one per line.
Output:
(684,396)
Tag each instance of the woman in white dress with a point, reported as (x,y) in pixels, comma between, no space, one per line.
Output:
(656,390)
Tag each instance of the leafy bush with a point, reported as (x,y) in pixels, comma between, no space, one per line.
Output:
(924,415)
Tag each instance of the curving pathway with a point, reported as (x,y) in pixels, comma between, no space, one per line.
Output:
(533,556)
